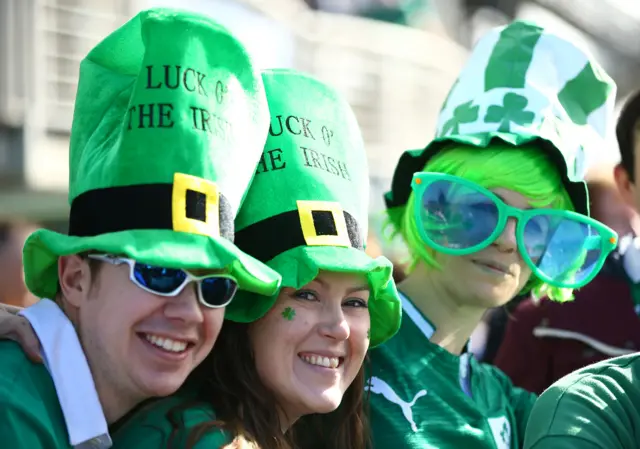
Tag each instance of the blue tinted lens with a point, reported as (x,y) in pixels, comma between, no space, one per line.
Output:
(159,280)
(456,216)
(537,231)
(564,250)
(218,292)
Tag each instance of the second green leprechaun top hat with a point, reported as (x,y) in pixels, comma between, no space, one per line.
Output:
(523,84)
(307,207)
(169,123)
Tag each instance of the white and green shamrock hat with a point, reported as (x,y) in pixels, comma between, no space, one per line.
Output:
(523,83)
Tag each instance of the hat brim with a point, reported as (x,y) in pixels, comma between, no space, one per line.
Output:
(413,161)
(177,250)
(301,265)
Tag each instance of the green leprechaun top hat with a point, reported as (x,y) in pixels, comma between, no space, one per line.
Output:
(307,207)
(169,124)
(523,84)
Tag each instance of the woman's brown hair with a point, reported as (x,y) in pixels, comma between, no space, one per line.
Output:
(246,409)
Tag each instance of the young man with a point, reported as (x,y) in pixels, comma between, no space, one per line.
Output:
(169,125)
(598,407)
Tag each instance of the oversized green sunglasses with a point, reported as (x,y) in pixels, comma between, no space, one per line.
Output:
(458,217)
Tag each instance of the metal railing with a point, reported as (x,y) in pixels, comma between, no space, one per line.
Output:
(66,30)
(16,35)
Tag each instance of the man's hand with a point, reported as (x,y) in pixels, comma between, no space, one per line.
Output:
(17,328)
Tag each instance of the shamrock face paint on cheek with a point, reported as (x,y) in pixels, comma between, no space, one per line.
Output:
(288,313)
(368,334)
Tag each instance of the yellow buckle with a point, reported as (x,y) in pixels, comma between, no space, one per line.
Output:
(181,222)
(306,209)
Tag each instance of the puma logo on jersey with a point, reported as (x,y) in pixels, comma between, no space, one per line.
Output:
(379,386)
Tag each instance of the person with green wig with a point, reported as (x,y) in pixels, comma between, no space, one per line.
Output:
(169,124)
(287,370)
(493,207)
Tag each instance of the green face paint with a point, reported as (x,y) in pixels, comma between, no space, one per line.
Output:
(368,334)
(288,313)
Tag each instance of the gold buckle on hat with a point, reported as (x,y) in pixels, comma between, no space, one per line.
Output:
(311,237)
(187,185)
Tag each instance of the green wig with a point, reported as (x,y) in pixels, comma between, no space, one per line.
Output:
(525,170)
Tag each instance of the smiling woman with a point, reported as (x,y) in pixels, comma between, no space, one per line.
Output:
(310,361)
(304,357)
(296,372)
